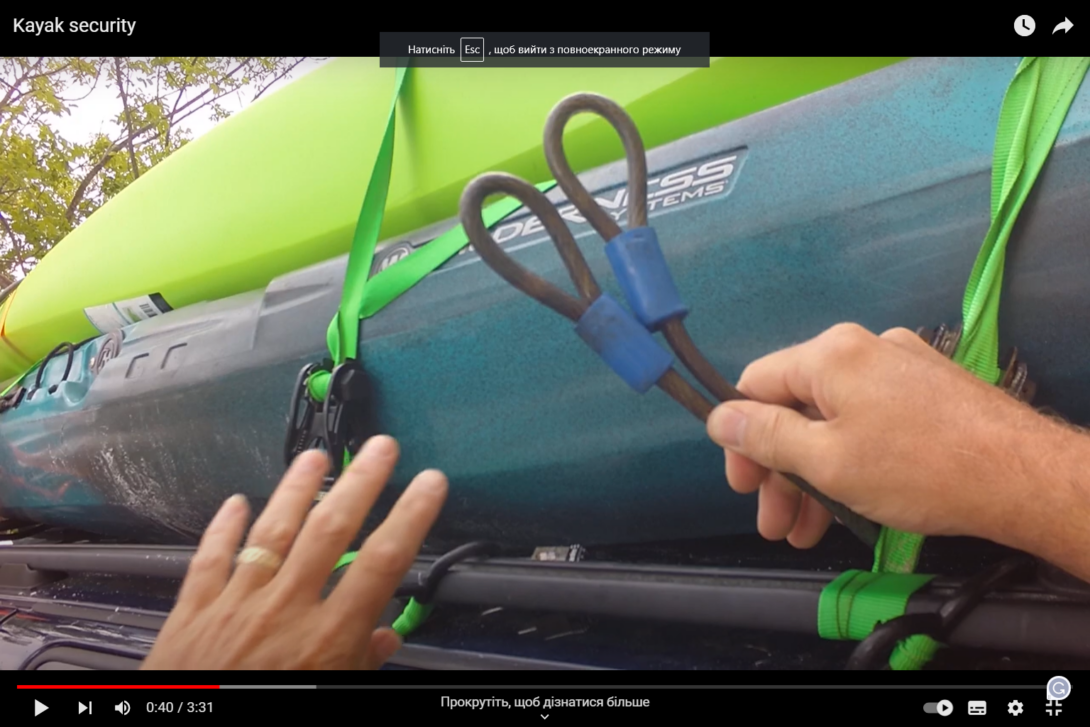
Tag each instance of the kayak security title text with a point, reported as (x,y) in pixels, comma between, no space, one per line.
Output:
(56,25)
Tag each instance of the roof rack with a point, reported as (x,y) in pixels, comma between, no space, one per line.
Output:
(1030,618)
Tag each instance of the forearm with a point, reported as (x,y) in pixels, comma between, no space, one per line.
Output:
(1041,498)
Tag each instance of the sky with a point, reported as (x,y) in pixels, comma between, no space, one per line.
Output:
(93,114)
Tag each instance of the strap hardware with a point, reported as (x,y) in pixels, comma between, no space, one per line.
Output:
(341,422)
(347,412)
(302,414)
(1015,379)
(877,648)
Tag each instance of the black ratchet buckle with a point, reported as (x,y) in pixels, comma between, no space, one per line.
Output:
(306,425)
(1015,379)
(341,422)
(347,412)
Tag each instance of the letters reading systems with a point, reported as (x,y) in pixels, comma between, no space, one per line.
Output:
(37,27)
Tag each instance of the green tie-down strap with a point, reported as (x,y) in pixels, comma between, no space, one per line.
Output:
(364,296)
(857,601)
(411,618)
(389,284)
(1033,111)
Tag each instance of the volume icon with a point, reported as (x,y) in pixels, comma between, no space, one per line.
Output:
(123,707)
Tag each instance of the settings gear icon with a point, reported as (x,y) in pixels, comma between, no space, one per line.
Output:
(1015,708)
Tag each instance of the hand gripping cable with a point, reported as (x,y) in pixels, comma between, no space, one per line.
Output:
(623,340)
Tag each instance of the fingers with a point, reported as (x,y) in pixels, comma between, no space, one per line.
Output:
(335,522)
(743,474)
(210,567)
(278,525)
(778,378)
(812,524)
(772,436)
(799,374)
(384,644)
(785,512)
(777,507)
(909,341)
(388,553)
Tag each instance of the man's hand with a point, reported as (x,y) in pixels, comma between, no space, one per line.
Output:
(264,617)
(892,429)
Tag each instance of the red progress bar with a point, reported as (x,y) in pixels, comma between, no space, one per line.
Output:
(114,686)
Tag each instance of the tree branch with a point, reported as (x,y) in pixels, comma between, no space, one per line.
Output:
(172,120)
(128,118)
(269,85)
(98,77)
(16,248)
(18,82)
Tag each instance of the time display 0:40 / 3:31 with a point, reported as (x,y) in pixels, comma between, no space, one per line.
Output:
(179,707)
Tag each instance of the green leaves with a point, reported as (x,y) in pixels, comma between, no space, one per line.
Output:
(50,184)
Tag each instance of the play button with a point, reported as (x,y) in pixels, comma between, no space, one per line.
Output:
(39,707)
(945,708)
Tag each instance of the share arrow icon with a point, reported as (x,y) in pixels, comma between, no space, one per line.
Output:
(1065,26)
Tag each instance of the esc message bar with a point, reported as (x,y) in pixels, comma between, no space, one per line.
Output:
(546,49)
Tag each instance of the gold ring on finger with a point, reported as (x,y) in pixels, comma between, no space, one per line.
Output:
(256,555)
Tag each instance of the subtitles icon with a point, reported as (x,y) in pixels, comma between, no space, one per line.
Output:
(471,50)
(978,708)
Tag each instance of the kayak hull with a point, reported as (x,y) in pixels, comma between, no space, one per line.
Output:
(279,185)
(866,202)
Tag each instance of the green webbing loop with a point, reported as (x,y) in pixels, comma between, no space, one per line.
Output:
(1033,111)
(345,560)
(411,618)
(857,601)
(897,554)
(318,385)
(343,333)
(363,297)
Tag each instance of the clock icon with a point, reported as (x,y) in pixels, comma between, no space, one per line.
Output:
(1024,25)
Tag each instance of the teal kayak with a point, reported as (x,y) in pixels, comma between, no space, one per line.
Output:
(867,202)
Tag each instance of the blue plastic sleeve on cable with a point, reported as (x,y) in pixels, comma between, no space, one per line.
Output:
(641,270)
(623,343)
